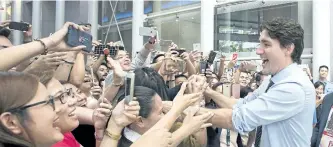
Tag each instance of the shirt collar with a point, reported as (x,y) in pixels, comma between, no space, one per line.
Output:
(283,73)
(131,134)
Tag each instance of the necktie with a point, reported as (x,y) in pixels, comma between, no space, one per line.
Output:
(259,129)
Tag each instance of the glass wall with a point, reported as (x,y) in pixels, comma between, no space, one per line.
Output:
(176,21)
(237,26)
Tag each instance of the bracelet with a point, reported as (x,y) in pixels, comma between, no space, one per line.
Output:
(112,136)
(98,138)
(46,50)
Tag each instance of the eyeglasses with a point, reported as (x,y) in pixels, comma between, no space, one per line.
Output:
(63,97)
(50,101)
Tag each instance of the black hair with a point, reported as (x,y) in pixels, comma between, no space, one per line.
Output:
(4,32)
(318,83)
(323,66)
(245,91)
(157,56)
(180,76)
(144,96)
(287,32)
(149,78)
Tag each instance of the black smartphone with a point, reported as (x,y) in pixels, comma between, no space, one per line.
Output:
(130,76)
(76,37)
(21,26)
(99,50)
(211,57)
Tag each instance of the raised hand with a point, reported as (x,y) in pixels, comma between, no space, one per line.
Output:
(154,138)
(56,42)
(102,114)
(49,61)
(182,101)
(247,66)
(194,122)
(123,114)
(150,45)
(5,23)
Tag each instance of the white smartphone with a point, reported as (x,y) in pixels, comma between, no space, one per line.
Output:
(227,89)
(145,31)
(130,76)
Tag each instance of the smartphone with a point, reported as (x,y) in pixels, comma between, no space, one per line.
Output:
(203,67)
(180,51)
(76,37)
(166,43)
(21,26)
(211,57)
(130,76)
(145,31)
(235,90)
(227,89)
(99,50)
(234,56)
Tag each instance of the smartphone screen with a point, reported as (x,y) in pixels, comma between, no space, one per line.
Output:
(203,67)
(21,26)
(130,78)
(227,89)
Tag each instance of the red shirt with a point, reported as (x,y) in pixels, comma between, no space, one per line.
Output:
(69,141)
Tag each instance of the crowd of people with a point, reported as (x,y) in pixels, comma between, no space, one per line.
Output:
(56,95)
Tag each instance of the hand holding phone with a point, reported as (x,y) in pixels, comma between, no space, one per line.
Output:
(76,37)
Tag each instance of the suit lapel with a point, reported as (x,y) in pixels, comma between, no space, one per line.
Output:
(326,108)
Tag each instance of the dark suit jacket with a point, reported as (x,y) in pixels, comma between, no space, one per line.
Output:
(320,126)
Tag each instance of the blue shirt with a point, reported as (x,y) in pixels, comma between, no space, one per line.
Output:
(285,111)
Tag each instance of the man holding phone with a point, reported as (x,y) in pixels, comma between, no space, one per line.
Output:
(288,100)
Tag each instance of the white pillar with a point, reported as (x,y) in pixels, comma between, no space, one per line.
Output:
(93,18)
(36,19)
(4,11)
(17,13)
(207,26)
(321,35)
(137,22)
(60,14)
(157,5)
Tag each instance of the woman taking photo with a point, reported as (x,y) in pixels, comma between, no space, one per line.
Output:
(21,108)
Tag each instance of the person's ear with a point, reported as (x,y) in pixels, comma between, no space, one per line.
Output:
(11,123)
(289,49)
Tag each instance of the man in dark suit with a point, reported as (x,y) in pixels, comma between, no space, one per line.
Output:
(324,125)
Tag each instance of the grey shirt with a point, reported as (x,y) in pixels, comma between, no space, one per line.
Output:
(285,111)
